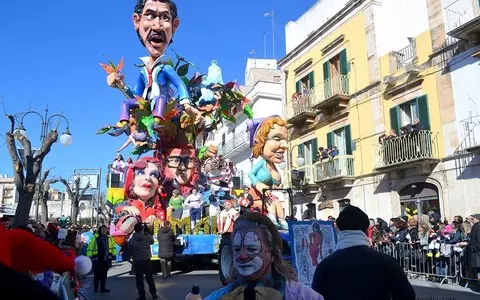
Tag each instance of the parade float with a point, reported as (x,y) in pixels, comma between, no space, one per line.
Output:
(163,134)
(168,113)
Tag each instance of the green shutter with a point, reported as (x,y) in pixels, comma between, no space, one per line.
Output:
(298,86)
(314,150)
(348,140)
(395,119)
(311,78)
(301,150)
(423,112)
(326,80)
(330,141)
(344,71)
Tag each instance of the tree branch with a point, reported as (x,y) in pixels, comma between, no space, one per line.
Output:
(67,187)
(83,191)
(16,161)
(44,150)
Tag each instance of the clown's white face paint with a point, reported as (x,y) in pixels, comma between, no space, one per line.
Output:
(247,248)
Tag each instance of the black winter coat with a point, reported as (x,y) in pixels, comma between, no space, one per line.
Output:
(473,247)
(166,241)
(359,273)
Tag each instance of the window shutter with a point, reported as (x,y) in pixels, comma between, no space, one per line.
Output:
(423,112)
(344,71)
(395,119)
(298,86)
(348,140)
(311,79)
(314,148)
(330,140)
(301,150)
(327,85)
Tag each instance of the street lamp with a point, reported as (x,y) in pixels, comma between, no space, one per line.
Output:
(300,160)
(65,138)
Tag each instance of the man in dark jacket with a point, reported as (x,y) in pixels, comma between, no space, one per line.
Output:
(354,271)
(473,247)
(166,240)
(139,247)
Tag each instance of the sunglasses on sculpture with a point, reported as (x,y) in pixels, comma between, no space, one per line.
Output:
(174,161)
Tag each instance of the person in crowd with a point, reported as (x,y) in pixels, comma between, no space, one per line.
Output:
(194,202)
(102,250)
(166,245)
(417,126)
(258,264)
(246,200)
(176,204)
(473,247)
(139,248)
(5,222)
(129,162)
(356,266)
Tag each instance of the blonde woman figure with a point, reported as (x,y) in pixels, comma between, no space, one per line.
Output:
(269,140)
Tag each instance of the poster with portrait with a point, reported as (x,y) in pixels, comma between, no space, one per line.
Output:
(310,242)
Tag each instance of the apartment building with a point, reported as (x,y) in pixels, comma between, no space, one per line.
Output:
(357,75)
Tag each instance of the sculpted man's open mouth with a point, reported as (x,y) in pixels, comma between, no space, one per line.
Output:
(157,39)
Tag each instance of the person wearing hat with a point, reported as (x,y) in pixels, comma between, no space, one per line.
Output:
(367,273)
(259,270)
(473,247)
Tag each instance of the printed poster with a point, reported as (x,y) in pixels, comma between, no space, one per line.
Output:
(311,242)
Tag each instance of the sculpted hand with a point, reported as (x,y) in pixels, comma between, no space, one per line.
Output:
(150,220)
(192,110)
(131,210)
(262,186)
(115,80)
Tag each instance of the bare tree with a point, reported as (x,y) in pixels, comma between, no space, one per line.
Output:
(75,193)
(42,194)
(27,168)
(105,211)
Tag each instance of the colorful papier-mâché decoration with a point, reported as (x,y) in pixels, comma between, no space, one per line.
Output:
(268,137)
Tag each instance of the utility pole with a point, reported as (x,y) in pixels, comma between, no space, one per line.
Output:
(271,14)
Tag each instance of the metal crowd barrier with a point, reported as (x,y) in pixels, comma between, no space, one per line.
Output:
(419,264)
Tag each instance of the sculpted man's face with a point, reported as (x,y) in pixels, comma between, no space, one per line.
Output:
(276,144)
(180,165)
(155,27)
(252,257)
(146,181)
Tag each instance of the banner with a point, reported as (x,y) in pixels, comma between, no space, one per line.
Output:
(310,243)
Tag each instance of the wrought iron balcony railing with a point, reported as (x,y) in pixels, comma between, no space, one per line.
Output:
(462,18)
(471,134)
(406,55)
(334,88)
(406,149)
(301,106)
(341,166)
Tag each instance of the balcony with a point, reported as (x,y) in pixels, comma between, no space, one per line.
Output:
(300,110)
(471,134)
(463,19)
(337,170)
(232,147)
(309,174)
(407,151)
(407,55)
(332,93)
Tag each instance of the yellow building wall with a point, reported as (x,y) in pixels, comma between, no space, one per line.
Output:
(360,115)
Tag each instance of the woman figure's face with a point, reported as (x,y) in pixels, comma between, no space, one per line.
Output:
(180,165)
(146,181)
(276,144)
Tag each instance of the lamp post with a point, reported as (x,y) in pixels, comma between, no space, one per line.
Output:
(65,138)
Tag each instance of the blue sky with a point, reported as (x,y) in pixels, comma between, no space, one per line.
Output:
(51,52)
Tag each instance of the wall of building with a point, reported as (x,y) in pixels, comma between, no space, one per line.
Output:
(391,26)
(311,20)
(463,69)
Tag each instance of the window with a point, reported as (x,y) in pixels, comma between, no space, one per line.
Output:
(335,73)
(342,139)
(312,212)
(309,151)
(306,83)
(406,113)
(342,204)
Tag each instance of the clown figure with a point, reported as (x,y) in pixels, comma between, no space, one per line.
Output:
(269,140)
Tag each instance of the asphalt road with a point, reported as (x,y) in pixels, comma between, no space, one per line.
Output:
(122,286)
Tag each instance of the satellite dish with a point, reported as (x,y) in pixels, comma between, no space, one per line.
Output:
(82,206)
